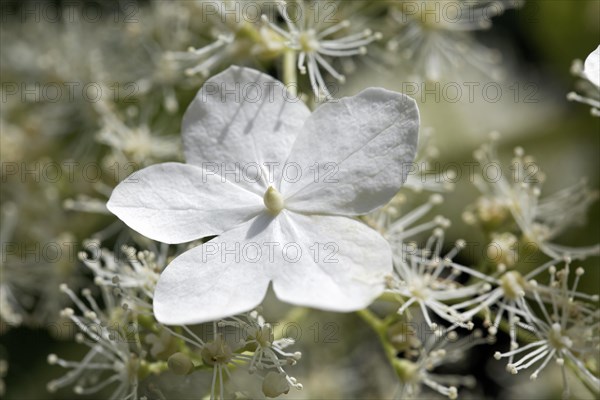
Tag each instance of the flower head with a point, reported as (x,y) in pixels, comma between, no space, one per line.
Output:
(436,36)
(417,371)
(279,185)
(518,194)
(314,43)
(245,343)
(113,359)
(427,278)
(566,331)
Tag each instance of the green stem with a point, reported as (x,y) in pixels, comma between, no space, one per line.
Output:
(151,368)
(380,328)
(290,74)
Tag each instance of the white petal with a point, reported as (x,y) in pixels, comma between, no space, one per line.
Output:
(242,117)
(362,148)
(592,67)
(341,267)
(176,203)
(217,279)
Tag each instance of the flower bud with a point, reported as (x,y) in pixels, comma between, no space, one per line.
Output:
(180,364)
(275,384)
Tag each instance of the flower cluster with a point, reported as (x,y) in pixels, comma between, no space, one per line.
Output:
(518,194)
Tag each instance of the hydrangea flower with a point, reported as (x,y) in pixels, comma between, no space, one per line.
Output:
(280,186)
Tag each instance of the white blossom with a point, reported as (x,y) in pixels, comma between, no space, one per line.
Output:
(244,342)
(113,359)
(427,278)
(566,332)
(435,37)
(176,203)
(417,370)
(518,193)
(314,42)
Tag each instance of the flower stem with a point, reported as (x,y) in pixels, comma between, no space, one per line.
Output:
(290,74)
(380,328)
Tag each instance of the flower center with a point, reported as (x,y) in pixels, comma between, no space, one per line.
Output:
(513,285)
(557,339)
(419,290)
(216,352)
(273,200)
(308,41)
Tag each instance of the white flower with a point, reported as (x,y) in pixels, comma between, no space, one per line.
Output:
(539,220)
(246,343)
(508,299)
(268,177)
(229,38)
(438,349)
(566,332)
(136,142)
(590,71)
(112,360)
(396,229)
(436,38)
(427,278)
(134,274)
(314,43)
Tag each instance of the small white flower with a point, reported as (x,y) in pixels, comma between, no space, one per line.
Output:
(427,278)
(314,43)
(508,298)
(113,358)
(134,274)
(246,343)
(229,38)
(268,352)
(567,331)
(134,142)
(439,349)
(436,38)
(335,262)
(590,71)
(518,194)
